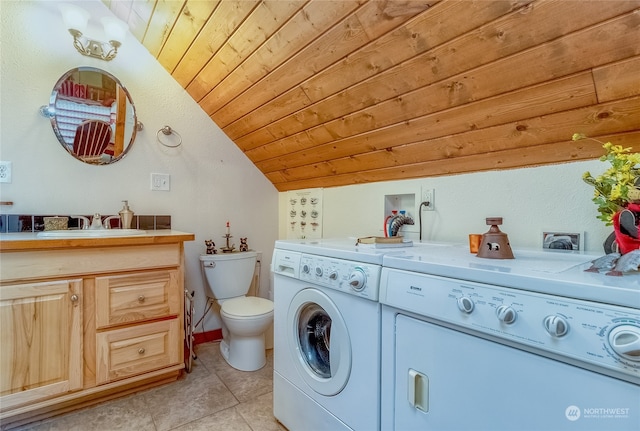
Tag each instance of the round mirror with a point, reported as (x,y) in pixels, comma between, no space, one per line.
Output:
(93,116)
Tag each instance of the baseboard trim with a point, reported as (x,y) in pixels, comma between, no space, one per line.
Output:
(207,337)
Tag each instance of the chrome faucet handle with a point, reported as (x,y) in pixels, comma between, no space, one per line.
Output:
(83,221)
(105,222)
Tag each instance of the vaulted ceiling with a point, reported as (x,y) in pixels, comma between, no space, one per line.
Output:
(321,93)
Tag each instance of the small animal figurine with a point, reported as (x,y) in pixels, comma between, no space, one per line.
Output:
(607,262)
(243,244)
(627,262)
(211,247)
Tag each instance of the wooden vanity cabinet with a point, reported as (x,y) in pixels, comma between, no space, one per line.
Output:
(81,323)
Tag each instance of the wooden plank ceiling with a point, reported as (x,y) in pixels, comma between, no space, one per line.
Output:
(322,93)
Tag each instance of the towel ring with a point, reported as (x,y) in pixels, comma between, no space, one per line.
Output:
(167,130)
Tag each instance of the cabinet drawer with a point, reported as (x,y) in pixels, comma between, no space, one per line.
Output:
(138,349)
(82,261)
(136,297)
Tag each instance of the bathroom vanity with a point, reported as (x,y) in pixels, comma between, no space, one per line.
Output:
(87,319)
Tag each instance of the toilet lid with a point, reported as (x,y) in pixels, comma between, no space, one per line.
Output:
(247,306)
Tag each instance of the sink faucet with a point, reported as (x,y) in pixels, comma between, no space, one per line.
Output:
(96,223)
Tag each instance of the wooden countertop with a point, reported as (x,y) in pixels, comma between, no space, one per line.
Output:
(30,240)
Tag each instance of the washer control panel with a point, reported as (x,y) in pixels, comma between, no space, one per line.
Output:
(355,278)
(605,336)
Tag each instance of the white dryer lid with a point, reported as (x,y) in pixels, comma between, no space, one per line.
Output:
(247,306)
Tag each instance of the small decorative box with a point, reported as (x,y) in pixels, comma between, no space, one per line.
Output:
(56,223)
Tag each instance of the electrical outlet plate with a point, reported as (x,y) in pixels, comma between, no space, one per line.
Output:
(5,172)
(161,182)
(429,195)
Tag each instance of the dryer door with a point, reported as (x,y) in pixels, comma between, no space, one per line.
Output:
(319,340)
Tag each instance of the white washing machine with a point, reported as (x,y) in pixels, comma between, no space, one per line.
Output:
(326,336)
(534,343)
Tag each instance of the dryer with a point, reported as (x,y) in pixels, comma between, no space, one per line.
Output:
(531,343)
(326,336)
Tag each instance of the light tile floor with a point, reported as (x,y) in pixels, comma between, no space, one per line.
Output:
(213,397)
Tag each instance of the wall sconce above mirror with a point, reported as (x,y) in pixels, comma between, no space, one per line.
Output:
(76,19)
(92,115)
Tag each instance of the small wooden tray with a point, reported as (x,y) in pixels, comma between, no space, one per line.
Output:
(380,240)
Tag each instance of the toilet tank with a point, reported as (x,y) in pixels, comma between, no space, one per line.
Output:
(229,275)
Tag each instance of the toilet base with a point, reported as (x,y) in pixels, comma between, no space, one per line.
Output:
(244,353)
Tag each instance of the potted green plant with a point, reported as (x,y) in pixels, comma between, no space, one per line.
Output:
(616,188)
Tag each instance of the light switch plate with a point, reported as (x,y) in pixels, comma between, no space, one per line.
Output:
(5,172)
(161,182)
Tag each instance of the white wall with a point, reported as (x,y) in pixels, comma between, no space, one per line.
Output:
(211,179)
(532,200)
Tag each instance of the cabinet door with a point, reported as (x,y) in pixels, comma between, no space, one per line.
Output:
(136,297)
(41,339)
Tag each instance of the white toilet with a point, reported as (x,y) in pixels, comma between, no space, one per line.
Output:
(244,318)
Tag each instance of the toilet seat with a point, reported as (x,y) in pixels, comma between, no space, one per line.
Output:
(247,307)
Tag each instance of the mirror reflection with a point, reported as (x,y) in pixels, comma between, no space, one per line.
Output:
(93,116)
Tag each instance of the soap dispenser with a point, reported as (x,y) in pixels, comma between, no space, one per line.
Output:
(126,216)
(495,244)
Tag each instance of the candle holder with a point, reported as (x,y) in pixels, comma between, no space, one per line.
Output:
(228,248)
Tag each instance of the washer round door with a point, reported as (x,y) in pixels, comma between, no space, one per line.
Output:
(319,340)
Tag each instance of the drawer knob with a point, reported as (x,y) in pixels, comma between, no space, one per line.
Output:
(141,350)
(74,298)
(141,298)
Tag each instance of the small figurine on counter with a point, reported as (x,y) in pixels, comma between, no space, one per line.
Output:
(211,247)
(243,244)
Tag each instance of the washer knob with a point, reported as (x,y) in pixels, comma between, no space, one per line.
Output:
(465,304)
(318,271)
(625,341)
(357,279)
(556,326)
(306,269)
(333,275)
(506,314)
